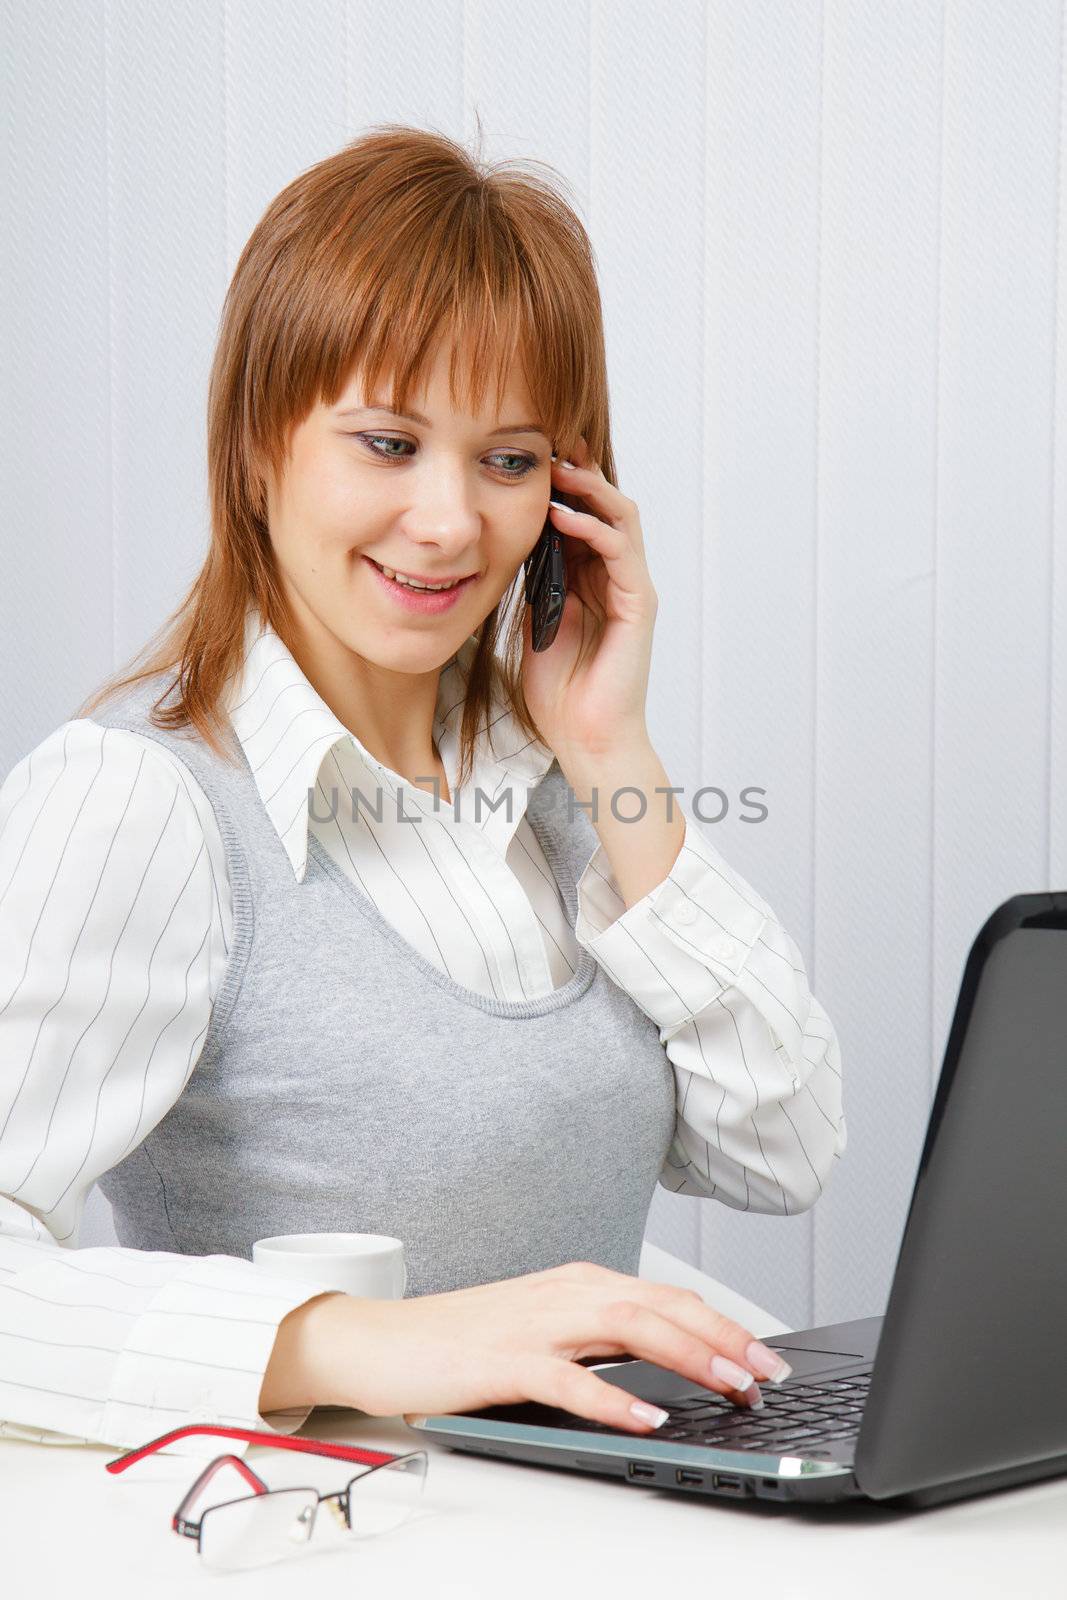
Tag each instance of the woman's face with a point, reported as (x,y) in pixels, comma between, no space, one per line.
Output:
(449,496)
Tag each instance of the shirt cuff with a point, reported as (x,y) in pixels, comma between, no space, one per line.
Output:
(683,943)
(198,1353)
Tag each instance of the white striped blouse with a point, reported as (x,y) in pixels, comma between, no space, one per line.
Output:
(109,968)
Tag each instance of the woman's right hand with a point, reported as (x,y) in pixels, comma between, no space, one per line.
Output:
(520,1339)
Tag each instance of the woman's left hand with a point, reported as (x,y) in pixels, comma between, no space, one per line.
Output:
(599,706)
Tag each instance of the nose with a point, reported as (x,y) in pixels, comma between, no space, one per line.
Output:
(444,517)
(444,547)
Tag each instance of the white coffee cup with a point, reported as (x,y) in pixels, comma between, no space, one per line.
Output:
(370,1264)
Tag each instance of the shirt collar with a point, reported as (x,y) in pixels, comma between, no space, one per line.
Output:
(286,730)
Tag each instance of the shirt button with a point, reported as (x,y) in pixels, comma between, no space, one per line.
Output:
(686,912)
(724,948)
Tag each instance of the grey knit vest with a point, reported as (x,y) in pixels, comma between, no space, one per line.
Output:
(347,1084)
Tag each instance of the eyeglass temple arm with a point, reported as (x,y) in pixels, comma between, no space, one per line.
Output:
(283,1441)
(179,1523)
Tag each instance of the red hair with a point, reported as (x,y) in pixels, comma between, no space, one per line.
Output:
(399,244)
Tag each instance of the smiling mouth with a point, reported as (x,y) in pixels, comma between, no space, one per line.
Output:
(425,585)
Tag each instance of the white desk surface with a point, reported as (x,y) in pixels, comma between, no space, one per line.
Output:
(500,1529)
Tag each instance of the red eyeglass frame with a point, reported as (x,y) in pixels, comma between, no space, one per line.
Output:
(316,1447)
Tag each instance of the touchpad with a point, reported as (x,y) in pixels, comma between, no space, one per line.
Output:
(811,1352)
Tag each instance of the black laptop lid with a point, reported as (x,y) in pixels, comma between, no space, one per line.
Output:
(970,1374)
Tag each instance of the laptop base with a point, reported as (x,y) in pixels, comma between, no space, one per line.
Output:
(716,1482)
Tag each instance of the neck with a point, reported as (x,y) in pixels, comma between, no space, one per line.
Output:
(390,713)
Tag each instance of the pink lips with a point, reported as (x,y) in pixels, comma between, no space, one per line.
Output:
(428,602)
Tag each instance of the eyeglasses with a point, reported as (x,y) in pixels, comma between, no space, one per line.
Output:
(267,1524)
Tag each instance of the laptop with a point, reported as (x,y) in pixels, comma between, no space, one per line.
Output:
(960,1387)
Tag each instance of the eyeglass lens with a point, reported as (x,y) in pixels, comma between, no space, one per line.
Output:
(260,1528)
(256,1529)
(386,1496)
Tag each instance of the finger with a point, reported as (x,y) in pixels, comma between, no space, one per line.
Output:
(621,556)
(689,1309)
(590,484)
(732,1338)
(555,1382)
(647,1333)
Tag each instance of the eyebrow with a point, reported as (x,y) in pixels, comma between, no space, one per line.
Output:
(424,422)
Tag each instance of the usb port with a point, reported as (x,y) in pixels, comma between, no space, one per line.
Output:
(726,1480)
(689,1477)
(636,1470)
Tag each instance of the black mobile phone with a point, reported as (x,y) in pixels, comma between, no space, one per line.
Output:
(546,583)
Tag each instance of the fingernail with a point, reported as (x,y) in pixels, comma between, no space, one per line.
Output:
(728,1371)
(647,1413)
(767,1362)
(566,463)
(560,507)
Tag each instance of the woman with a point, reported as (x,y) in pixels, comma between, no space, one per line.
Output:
(247,1007)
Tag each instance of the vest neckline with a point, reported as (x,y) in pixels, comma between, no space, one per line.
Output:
(555,1000)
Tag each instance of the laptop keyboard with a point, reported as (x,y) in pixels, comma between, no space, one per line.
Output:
(793,1415)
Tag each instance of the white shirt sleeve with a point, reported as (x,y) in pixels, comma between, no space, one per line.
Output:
(756,1060)
(115,925)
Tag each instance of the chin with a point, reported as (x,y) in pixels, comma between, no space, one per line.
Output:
(399,654)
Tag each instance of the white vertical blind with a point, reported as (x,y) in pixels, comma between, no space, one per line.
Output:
(827,237)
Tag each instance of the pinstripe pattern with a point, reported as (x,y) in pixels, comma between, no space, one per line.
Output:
(115,925)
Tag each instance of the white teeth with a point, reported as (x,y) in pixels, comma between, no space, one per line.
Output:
(413,583)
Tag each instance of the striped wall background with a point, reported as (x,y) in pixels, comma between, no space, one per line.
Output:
(829,242)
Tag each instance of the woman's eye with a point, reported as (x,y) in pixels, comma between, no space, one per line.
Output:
(525,464)
(520,464)
(384,438)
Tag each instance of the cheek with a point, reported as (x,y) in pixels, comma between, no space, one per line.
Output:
(522,535)
(331,515)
